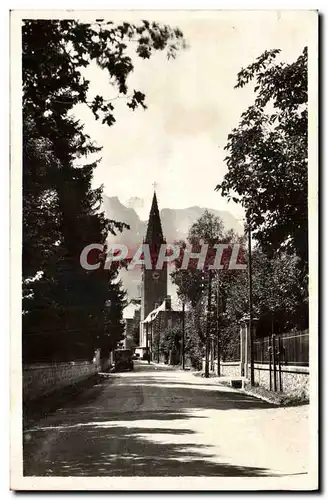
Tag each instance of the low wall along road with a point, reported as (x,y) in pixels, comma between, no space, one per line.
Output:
(293,378)
(41,379)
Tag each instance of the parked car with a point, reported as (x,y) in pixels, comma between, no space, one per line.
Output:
(123,360)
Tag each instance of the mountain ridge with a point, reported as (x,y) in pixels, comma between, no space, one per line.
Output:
(170,217)
(175,224)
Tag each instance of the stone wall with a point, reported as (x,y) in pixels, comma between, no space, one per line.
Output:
(293,378)
(41,379)
(229,368)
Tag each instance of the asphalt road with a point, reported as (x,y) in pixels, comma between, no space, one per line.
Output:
(161,422)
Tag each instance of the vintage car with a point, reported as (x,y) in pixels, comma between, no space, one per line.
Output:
(123,360)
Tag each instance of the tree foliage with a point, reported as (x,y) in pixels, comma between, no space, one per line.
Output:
(279,294)
(279,302)
(192,283)
(55,53)
(170,339)
(61,212)
(267,155)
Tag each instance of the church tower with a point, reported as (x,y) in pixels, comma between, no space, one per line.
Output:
(154,281)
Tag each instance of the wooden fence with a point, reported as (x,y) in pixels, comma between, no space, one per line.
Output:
(289,348)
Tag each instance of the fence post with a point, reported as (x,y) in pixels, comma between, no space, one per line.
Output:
(274,363)
(244,347)
(279,364)
(270,361)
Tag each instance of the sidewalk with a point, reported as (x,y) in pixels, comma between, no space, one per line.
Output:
(276,398)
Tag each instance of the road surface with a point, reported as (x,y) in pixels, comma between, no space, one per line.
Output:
(156,421)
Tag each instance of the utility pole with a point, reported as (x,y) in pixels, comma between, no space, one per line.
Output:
(250,289)
(207,340)
(149,342)
(218,350)
(183,334)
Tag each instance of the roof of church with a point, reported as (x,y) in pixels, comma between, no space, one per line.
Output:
(162,307)
(153,314)
(154,229)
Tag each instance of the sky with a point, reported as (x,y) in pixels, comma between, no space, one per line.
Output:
(178,142)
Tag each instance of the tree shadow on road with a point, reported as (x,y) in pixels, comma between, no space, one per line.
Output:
(94,431)
(128,451)
(86,403)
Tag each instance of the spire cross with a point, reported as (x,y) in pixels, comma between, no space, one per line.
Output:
(155,185)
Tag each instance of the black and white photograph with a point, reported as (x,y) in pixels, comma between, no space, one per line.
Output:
(164,250)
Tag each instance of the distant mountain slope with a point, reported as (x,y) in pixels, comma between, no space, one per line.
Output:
(175,223)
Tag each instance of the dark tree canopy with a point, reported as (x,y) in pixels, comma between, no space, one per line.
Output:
(55,53)
(67,310)
(267,155)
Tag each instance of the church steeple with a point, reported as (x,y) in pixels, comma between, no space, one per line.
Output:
(154,281)
(154,233)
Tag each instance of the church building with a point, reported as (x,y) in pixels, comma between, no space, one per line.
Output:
(156,310)
(154,282)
